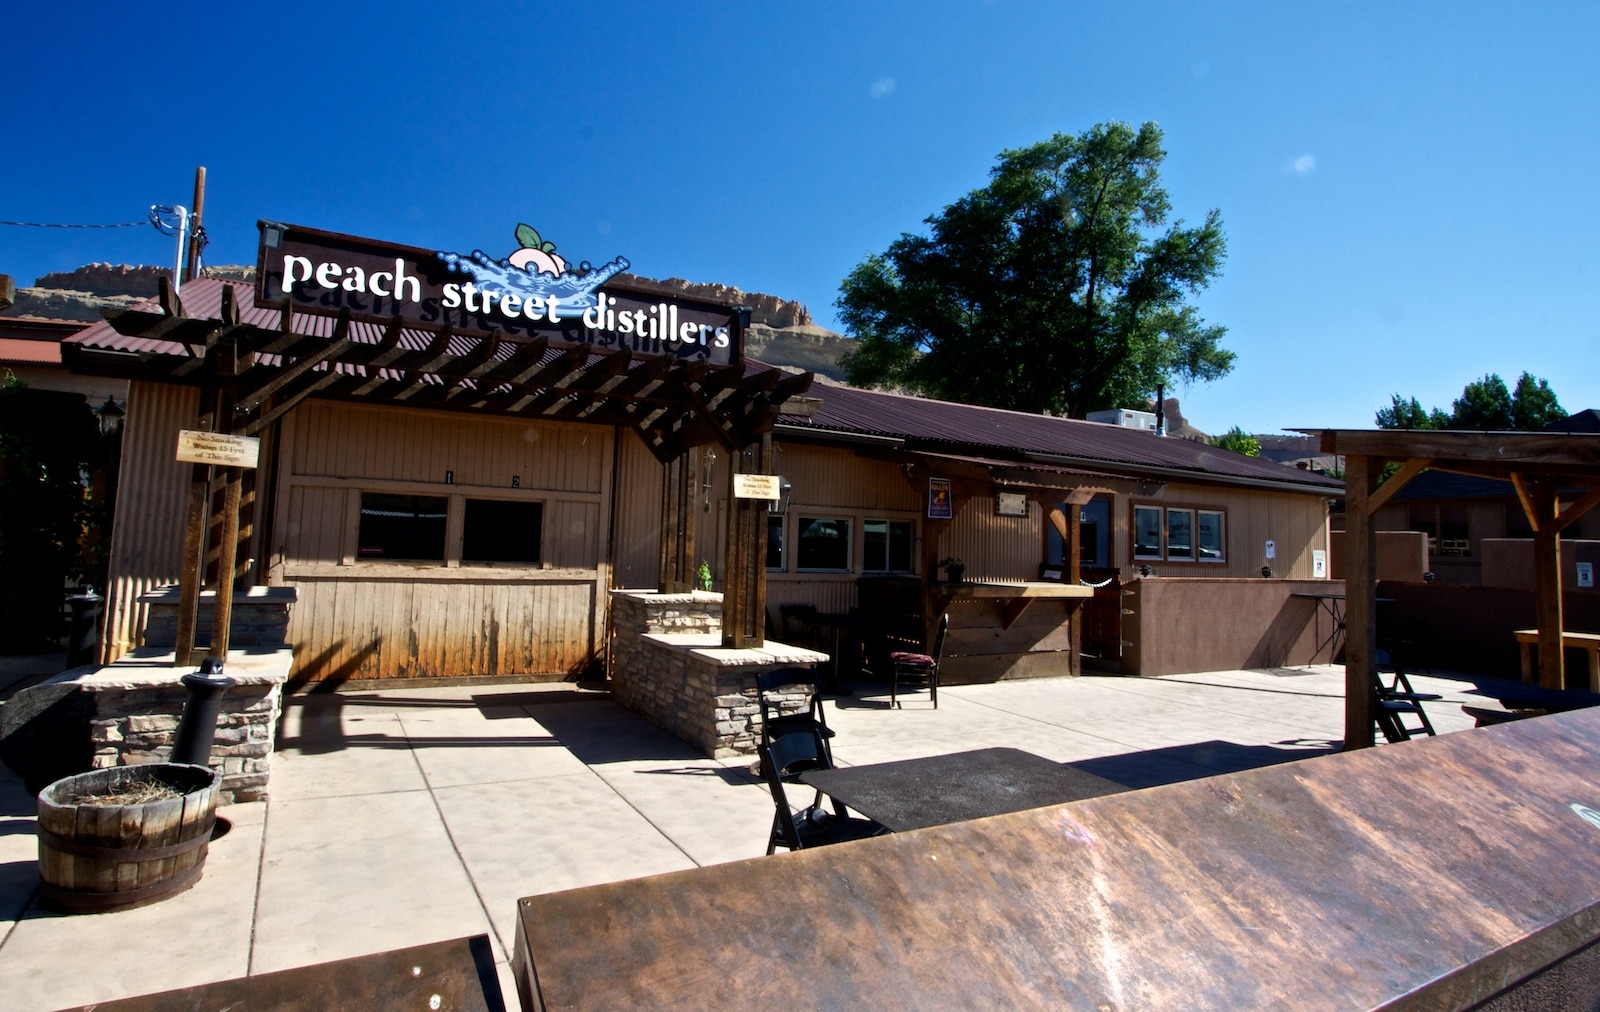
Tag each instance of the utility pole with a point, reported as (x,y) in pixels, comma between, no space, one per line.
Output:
(193,266)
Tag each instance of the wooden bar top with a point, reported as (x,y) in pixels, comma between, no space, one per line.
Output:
(1011,591)
(1432,874)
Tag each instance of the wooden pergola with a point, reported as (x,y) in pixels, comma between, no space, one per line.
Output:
(1539,465)
(254,365)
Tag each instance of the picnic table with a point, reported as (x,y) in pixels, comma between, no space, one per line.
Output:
(1588,642)
(941,789)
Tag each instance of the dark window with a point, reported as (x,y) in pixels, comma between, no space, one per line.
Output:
(402,526)
(1180,535)
(823,543)
(1147,532)
(886,546)
(500,530)
(775,541)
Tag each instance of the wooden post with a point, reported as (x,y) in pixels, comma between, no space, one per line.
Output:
(191,575)
(679,484)
(222,613)
(1542,497)
(1360,591)
(744,585)
(1072,555)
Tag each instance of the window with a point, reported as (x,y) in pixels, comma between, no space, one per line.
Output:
(823,543)
(1453,540)
(1180,534)
(500,530)
(402,526)
(775,541)
(886,546)
(1147,532)
(1211,536)
(1094,535)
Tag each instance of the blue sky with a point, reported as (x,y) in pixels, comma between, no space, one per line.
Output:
(1408,190)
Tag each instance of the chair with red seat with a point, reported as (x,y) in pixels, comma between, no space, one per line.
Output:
(919,669)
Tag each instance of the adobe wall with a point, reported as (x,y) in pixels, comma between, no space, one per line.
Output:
(1175,626)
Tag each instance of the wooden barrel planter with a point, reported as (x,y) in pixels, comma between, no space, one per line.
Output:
(99,855)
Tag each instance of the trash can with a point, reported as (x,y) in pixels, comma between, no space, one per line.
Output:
(83,634)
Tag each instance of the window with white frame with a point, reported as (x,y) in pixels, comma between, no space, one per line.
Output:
(886,546)
(1147,532)
(1211,535)
(822,544)
(1179,534)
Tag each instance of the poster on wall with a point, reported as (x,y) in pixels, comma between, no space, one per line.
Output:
(939,504)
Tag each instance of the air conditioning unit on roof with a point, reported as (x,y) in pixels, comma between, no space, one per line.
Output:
(1125,417)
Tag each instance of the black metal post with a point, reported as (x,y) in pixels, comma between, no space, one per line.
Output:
(198,728)
(83,636)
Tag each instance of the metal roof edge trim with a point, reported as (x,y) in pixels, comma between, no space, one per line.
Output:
(837,436)
(1196,477)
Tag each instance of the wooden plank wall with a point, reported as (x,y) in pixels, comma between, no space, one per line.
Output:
(381,619)
(152,495)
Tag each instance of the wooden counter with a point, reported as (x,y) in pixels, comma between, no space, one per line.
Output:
(1019,596)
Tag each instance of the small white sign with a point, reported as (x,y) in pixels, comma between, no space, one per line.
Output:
(1272,549)
(1319,564)
(1010,504)
(756,486)
(217,448)
(1586,574)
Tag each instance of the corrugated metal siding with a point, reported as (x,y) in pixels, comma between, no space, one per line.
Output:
(152,498)
(638,519)
(995,549)
(831,477)
(1296,524)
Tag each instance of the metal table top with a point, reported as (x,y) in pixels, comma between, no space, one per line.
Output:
(917,793)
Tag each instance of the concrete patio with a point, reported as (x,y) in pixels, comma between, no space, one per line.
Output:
(407,816)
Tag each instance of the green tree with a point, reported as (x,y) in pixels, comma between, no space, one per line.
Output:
(1534,404)
(1058,287)
(1408,414)
(1239,441)
(49,442)
(1485,403)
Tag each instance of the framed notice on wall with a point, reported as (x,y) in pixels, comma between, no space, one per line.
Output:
(939,505)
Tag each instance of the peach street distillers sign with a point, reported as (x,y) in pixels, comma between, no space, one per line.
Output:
(217,448)
(530,293)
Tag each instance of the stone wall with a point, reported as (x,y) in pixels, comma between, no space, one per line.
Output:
(668,666)
(260,617)
(127,714)
(135,719)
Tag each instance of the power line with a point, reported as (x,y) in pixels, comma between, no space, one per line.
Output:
(42,224)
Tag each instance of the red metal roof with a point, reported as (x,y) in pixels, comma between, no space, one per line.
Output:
(13,349)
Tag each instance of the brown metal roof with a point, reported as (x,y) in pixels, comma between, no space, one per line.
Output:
(942,426)
(916,423)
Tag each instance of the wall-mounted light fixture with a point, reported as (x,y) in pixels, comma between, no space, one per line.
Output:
(785,496)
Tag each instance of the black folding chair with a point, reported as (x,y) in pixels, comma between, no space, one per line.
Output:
(782,761)
(1393,703)
(919,669)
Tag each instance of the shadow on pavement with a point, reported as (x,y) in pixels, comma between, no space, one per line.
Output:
(1177,763)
